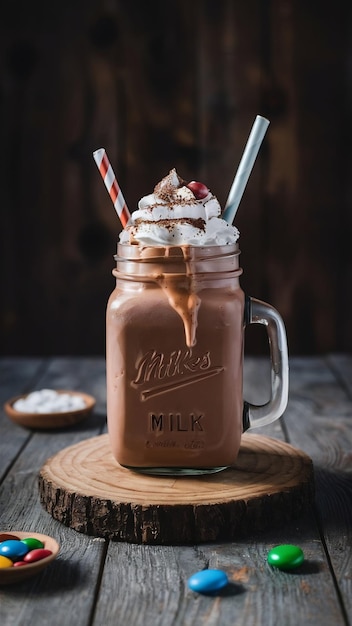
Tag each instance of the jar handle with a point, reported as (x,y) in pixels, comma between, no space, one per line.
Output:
(258,312)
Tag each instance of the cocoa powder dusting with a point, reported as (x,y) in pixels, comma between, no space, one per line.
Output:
(165,189)
(169,224)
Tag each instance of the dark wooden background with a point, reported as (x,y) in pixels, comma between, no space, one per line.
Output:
(163,84)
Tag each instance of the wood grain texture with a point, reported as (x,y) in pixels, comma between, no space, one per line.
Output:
(152,589)
(83,487)
(318,420)
(16,376)
(95,581)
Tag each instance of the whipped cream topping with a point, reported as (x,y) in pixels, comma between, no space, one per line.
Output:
(172,215)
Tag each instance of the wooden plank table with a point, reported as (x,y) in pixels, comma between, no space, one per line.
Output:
(95,581)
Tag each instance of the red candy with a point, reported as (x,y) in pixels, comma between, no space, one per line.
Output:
(199,190)
(36,555)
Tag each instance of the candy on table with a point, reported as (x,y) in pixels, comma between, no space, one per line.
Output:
(286,556)
(15,552)
(208,581)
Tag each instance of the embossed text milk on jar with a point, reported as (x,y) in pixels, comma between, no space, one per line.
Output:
(175,339)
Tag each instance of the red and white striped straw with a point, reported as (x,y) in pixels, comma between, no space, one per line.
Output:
(109,178)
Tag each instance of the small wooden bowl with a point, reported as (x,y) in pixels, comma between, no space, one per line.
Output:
(50,421)
(11,575)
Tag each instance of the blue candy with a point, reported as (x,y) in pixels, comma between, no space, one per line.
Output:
(13,549)
(208,580)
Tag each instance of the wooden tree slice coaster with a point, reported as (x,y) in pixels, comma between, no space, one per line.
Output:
(84,488)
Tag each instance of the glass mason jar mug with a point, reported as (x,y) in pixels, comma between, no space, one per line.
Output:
(175,342)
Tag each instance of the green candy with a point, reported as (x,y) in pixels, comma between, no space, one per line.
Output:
(32,543)
(286,556)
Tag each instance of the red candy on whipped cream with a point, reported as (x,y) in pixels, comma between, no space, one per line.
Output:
(178,213)
(198,189)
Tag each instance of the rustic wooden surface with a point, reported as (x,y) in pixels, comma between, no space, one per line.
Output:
(163,84)
(83,487)
(95,581)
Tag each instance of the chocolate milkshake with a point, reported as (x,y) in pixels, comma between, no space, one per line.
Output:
(175,333)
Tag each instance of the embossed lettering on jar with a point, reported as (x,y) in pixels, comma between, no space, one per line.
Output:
(175,336)
(174,358)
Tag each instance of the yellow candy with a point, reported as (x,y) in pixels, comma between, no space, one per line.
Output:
(5,562)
